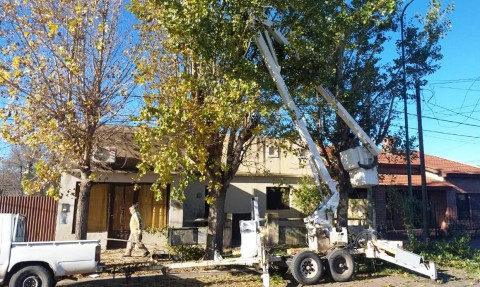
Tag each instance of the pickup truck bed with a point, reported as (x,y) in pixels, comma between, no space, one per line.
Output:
(68,257)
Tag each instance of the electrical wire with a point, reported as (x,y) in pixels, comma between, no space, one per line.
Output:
(448,121)
(444,133)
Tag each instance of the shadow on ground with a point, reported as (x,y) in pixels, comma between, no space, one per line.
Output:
(138,281)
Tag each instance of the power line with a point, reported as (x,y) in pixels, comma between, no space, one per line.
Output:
(454,81)
(444,133)
(452,134)
(456,140)
(455,112)
(461,89)
(448,121)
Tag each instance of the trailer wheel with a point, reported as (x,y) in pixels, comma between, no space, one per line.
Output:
(34,276)
(341,265)
(306,267)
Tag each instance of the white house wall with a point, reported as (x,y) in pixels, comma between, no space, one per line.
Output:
(244,188)
(259,171)
(63,230)
(258,161)
(239,196)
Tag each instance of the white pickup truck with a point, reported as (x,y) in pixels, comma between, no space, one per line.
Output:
(41,263)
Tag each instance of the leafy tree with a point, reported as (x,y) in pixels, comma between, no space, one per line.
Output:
(307,196)
(209,90)
(203,102)
(340,46)
(422,49)
(13,168)
(63,75)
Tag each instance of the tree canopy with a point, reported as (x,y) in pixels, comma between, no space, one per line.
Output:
(13,168)
(63,74)
(207,82)
(204,102)
(340,46)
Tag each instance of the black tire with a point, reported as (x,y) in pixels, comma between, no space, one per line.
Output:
(34,276)
(306,267)
(341,265)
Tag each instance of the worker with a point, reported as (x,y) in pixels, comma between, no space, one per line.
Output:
(135,233)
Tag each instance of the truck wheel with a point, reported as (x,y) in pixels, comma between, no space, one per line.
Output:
(306,267)
(341,265)
(34,276)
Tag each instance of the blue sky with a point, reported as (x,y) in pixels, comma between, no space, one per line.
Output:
(451,99)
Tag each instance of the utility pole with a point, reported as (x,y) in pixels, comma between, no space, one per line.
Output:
(407,139)
(426,231)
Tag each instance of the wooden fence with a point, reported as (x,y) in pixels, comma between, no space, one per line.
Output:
(41,213)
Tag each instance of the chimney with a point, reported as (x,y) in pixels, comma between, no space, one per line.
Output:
(388,144)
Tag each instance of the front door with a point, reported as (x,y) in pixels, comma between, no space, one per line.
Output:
(122,196)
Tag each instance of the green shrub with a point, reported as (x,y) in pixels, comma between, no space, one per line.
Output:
(188,252)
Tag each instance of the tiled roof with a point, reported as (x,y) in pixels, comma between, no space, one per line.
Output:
(449,166)
(432,163)
(127,150)
(402,180)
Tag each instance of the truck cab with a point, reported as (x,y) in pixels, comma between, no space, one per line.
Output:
(12,230)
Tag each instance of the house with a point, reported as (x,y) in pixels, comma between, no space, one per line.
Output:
(453,189)
(265,169)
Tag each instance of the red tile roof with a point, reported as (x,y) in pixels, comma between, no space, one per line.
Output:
(401,179)
(432,163)
(438,166)
(449,166)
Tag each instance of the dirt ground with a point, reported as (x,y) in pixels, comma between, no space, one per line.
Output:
(242,276)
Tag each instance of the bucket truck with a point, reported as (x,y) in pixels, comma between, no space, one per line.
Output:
(329,248)
(329,245)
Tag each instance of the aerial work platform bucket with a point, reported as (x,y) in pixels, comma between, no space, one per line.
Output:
(361,166)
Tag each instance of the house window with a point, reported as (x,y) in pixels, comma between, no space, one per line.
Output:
(278,198)
(273,151)
(97,212)
(154,210)
(463,206)
(474,200)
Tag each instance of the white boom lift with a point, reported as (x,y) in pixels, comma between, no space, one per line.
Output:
(360,162)
(327,245)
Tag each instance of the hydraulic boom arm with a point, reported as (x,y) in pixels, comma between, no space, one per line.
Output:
(320,172)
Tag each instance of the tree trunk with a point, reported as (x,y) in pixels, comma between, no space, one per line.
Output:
(83,203)
(342,211)
(216,223)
